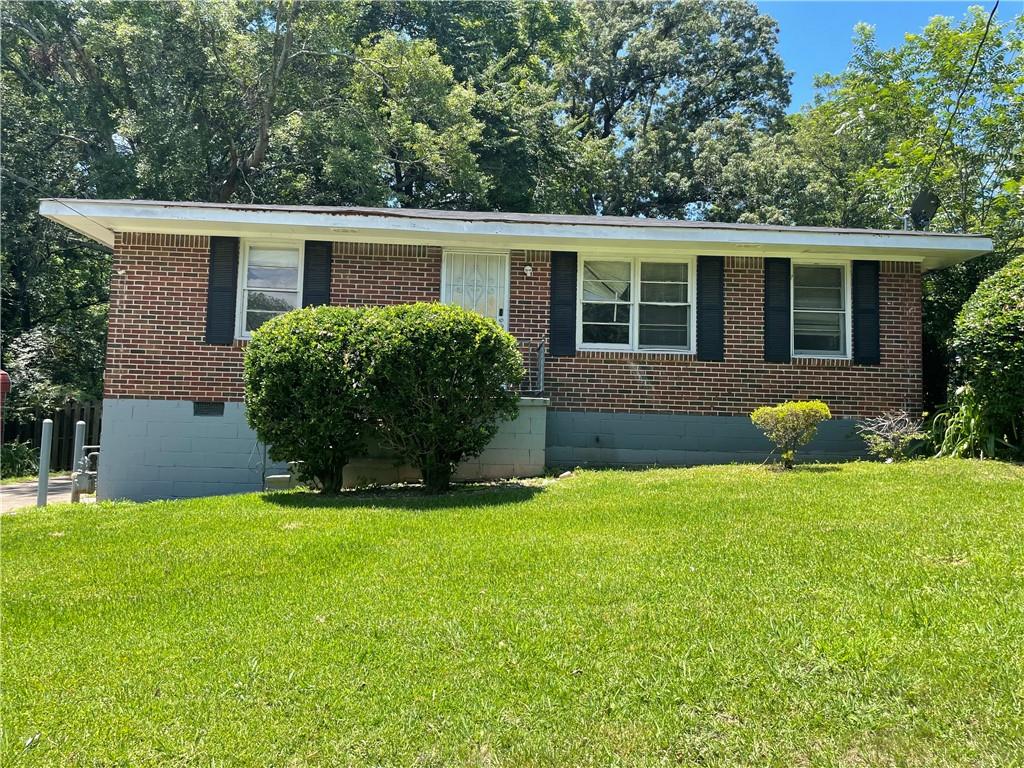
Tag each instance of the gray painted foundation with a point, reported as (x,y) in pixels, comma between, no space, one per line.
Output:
(588,438)
(518,450)
(159,449)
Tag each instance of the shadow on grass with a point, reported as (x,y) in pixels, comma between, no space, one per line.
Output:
(414,497)
(814,468)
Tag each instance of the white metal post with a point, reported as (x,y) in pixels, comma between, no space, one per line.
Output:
(76,460)
(44,462)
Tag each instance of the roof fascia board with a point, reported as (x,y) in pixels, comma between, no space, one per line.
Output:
(99,219)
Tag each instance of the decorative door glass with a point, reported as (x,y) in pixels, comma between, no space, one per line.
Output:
(478,281)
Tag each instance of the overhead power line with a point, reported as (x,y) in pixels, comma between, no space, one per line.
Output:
(36,188)
(963,88)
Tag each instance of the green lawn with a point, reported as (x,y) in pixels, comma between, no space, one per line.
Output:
(835,615)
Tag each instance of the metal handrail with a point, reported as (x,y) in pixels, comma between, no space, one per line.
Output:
(539,388)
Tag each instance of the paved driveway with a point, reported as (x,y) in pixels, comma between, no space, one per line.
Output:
(21,495)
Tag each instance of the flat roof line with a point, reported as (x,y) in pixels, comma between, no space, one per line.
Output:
(513,218)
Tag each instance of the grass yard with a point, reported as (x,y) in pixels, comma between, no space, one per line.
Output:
(836,615)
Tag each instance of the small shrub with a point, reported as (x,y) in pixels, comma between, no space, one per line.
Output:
(440,382)
(18,458)
(891,435)
(305,391)
(988,345)
(790,425)
(961,429)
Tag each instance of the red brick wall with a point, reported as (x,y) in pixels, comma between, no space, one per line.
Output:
(529,297)
(674,383)
(363,274)
(155,343)
(155,346)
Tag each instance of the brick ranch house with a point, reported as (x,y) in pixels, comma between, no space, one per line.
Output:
(647,341)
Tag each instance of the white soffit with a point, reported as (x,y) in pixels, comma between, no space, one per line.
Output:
(100,219)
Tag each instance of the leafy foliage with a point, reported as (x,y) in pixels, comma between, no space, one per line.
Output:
(56,362)
(646,77)
(961,429)
(790,425)
(18,458)
(305,390)
(988,343)
(875,137)
(890,435)
(430,382)
(440,381)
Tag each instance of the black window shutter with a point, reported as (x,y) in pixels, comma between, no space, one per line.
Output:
(316,274)
(221,290)
(867,348)
(562,328)
(777,316)
(710,308)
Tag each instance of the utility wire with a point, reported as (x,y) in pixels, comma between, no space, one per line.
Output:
(963,89)
(46,196)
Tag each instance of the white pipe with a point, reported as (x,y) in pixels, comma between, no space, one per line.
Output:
(76,460)
(44,462)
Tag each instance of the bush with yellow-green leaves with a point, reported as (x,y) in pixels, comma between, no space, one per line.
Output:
(790,425)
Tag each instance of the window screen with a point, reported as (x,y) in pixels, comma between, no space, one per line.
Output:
(819,310)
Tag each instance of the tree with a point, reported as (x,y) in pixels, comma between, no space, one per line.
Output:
(417,124)
(645,77)
(880,132)
(903,101)
(53,282)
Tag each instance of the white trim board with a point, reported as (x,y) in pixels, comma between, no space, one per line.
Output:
(100,219)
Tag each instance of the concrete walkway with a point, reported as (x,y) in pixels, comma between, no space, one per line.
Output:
(21,495)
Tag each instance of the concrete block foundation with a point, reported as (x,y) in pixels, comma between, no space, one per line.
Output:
(161,449)
(158,449)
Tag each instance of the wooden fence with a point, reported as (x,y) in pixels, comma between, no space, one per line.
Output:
(63,431)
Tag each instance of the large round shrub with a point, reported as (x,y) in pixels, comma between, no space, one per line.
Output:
(988,342)
(440,381)
(304,393)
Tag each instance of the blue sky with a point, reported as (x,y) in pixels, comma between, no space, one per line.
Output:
(815,35)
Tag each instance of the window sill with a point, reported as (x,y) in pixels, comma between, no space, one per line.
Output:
(821,356)
(821,360)
(624,352)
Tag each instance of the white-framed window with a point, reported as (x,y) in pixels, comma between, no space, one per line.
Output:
(821,310)
(269,282)
(635,303)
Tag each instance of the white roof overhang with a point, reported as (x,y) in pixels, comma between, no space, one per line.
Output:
(101,219)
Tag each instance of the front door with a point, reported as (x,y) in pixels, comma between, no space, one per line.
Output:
(477,280)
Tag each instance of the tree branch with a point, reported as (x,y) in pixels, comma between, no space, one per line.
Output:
(255,158)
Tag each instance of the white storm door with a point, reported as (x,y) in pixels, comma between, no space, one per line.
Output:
(478,281)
